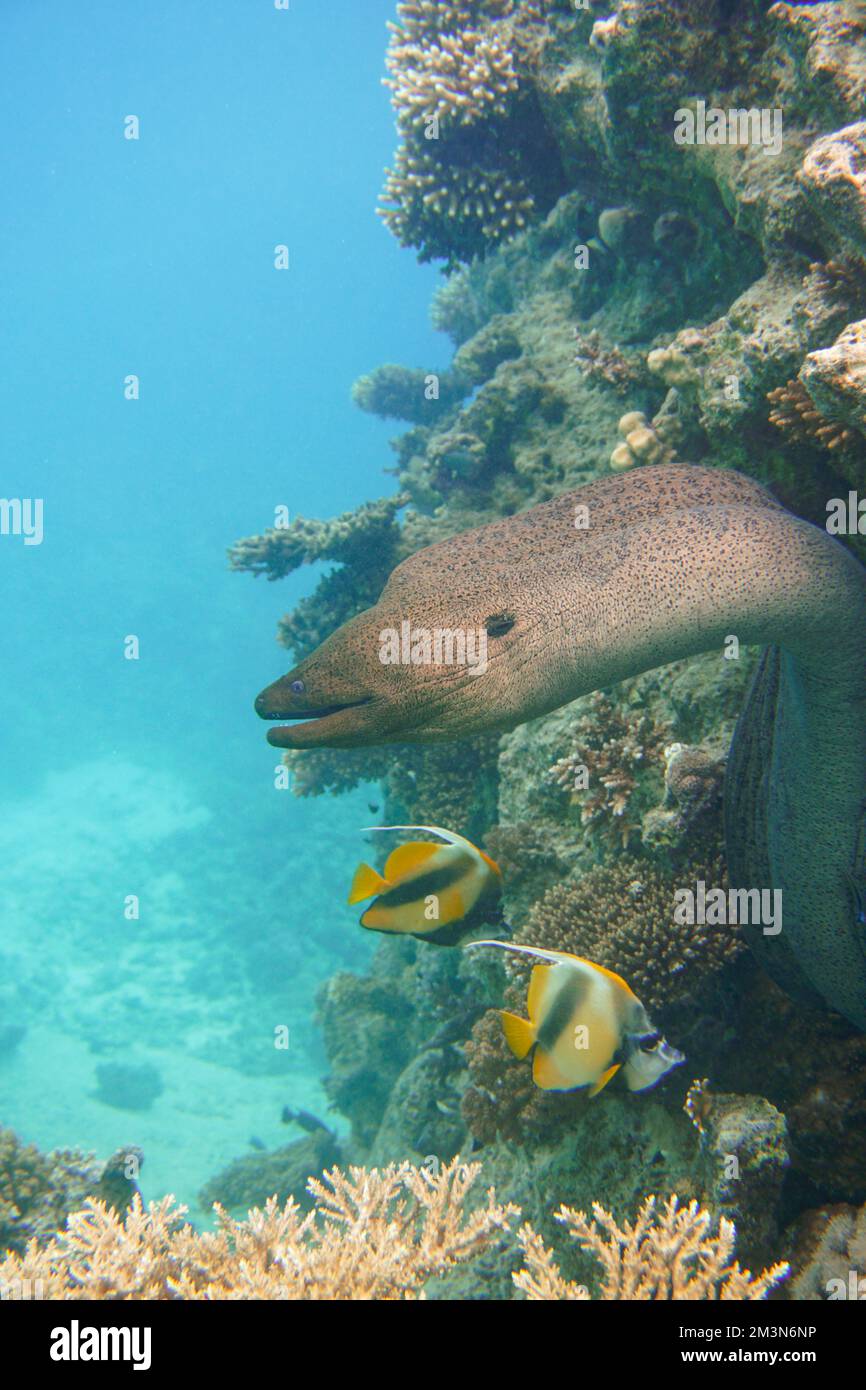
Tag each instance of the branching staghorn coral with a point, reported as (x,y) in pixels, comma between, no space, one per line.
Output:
(372,1234)
(664,1254)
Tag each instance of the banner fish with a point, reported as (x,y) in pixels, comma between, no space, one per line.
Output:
(434,892)
(584,1023)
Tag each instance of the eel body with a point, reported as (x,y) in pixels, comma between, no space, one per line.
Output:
(621,576)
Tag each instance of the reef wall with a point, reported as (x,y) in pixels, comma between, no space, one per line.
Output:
(614,297)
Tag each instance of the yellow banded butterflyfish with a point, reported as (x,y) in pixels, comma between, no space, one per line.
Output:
(585,1023)
(435,892)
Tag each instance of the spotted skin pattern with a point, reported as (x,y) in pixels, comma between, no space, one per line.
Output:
(621,576)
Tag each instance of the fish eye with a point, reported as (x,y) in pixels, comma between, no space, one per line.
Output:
(498,624)
(297,687)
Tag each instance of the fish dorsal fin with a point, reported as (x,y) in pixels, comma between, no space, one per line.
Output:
(366,884)
(604,1078)
(546,1074)
(537,985)
(403,860)
(609,974)
(491,863)
(537,952)
(450,836)
(519,1033)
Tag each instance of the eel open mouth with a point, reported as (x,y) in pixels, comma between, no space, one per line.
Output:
(313,720)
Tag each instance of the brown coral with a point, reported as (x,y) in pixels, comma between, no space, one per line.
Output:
(372,1234)
(612,746)
(460,77)
(664,1254)
(795,414)
(609,365)
(622,917)
(37,1191)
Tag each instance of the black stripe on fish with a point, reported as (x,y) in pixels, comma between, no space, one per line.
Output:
(569,996)
(431,882)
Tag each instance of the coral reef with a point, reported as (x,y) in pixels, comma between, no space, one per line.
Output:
(694,780)
(361,542)
(364,1023)
(401,393)
(38,1191)
(609,365)
(743,1159)
(623,917)
(641,443)
(831,1261)
(612,746)
(691,300)
(370,1235)
(667,1253)
(795,412)
(465,174)
(250,1181)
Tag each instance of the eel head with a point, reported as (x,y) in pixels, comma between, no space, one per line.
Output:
(395,674)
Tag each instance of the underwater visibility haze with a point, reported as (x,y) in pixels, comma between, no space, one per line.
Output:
(536,906)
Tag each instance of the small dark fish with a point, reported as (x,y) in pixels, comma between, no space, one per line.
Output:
(256,1143)
(303,1118)
(373,808)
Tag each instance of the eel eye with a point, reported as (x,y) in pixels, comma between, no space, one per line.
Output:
(498,624)
(297,687)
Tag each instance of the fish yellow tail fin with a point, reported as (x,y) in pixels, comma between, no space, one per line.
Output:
(366,884)
(519,1033)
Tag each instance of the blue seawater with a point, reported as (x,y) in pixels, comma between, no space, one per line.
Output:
(151,778)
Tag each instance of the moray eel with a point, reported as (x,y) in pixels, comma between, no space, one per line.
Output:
(623,575)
